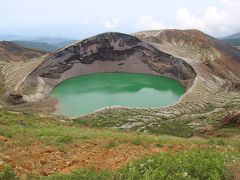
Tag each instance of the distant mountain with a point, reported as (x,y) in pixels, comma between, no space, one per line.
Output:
(45,46)
(233,36)
(56,41)
(233,40)
(37,45)
(50,44)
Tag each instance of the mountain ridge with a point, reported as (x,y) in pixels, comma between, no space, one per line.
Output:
(37,45)
(10,51)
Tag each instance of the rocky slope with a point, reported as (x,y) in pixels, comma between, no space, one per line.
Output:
(16,62)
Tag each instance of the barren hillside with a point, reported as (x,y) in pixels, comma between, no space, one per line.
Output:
(10,51)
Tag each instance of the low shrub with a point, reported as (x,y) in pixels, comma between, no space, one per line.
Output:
(187,165)
(8,174)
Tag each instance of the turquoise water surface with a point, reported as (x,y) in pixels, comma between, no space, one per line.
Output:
(84,94)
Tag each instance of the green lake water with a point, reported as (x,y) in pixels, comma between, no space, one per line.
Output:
(84,94)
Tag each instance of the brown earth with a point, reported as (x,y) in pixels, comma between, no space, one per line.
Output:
(40,159)
(234,170)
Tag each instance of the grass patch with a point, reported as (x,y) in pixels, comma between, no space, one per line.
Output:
(178,128)
(8,174)
(28,128)
(138,141)
(187,165)
(112,144)
(65,139)
(83,174)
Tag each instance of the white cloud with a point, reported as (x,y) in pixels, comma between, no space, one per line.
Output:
(147,22)
(235,3)
(111,24)
(185,20)
(212,20)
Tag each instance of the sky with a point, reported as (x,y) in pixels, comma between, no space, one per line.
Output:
(83,18)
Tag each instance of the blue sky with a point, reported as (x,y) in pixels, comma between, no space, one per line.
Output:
(82,18)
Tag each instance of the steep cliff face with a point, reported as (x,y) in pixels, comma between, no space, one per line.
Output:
(109,52)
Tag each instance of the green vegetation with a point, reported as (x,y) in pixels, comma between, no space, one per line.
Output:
(83,174)
(187,165)
(196,164)
(8,174)
(49,131)
(203,161)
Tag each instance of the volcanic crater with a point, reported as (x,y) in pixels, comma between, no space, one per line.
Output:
(208,69)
